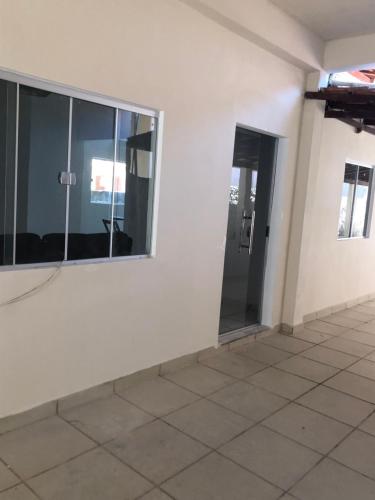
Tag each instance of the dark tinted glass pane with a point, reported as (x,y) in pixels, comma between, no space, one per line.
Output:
(7,153)
(42,154)
(361,202)
(347,199)
(350,173)
(134,184)
(91,198)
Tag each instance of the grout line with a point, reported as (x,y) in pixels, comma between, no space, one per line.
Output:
(305,377)
(263,478)
(325,320)
(290,337)
(169,495)
(49,469)
(327,457)
(252,424)
(157,488)
(33,491)
(21,483)
(317,384)
(297,402)
(119,459)
(169,412)
(15,473)
(345,352)
(155,484)
(27,425)
(204,396)
(123,462)
(236,377)
(95,441)
(350,468)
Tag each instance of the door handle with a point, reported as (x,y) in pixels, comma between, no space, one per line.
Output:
(249,232)
(67,178)
(243,220)
(251,239)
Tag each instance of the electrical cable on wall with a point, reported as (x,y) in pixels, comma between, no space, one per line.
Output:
(35,289)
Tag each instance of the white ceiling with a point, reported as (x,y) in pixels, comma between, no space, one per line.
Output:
(331,19)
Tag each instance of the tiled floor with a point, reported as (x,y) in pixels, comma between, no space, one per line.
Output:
(280,418)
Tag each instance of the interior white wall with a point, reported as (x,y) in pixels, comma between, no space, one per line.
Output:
(98,322)
(337,271)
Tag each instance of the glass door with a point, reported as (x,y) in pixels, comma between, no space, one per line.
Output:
(247,231)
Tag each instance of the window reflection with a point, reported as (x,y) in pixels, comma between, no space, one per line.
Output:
(361,202)
(234,186)
(347,198)
(101,182)
(135,149)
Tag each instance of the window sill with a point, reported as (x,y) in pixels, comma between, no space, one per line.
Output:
(353,238)
(69,263)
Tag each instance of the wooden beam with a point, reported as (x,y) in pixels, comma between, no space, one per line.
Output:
(353,111)
(340,95)
(353,106)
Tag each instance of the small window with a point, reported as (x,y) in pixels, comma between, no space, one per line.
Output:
(355,202)
(76,176)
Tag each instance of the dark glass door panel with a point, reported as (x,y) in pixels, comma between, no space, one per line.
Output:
(133,184)
(234,311)
(42,154)
(8,96)
(92,162)
(250,195)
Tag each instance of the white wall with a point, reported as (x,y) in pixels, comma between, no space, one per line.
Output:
(98,322)
(263,23)
(337,271)
(304,197)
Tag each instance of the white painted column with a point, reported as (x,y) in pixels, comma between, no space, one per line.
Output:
(304,193)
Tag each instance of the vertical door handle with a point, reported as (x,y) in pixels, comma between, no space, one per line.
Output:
(243,220)
(252,233)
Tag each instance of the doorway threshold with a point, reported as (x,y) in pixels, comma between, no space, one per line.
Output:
(227,337)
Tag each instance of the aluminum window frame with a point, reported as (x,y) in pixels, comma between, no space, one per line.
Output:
(369,203)
(117,104)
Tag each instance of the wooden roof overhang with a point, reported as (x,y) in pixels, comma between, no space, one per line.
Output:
(352,105)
